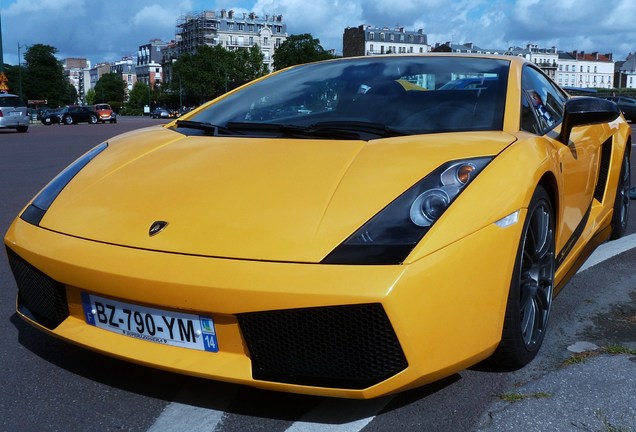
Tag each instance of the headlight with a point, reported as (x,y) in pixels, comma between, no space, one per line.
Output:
(390,235)
(34,213)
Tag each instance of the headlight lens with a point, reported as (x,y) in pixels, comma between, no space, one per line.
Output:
(34,213)
(390,235)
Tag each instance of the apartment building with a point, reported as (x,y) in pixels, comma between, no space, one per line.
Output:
(149,58)
(583,70)
(366,40)
(76,71)
(625,72)
(232,31)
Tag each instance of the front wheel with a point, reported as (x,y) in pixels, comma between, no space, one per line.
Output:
(531,288)
(621,202)
(68,120)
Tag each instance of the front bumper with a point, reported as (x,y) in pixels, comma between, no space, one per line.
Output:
(288,326)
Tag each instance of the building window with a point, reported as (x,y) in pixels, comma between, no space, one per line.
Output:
(381,37)
(392,37)
(230,25)
(250,27)
(251,40)
(371,36)
(371,48)
(265,41)
(241,26)
(278,42)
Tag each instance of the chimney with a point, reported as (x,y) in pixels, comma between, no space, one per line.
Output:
(230,14)
(223,13)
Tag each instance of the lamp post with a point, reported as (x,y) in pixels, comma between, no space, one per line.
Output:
(20,71)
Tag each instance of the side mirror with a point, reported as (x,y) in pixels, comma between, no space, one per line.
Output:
(583,111)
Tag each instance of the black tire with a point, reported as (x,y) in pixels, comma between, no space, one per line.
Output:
(531,288)
(92,119)
(620,218)
(68,120)
(22,129)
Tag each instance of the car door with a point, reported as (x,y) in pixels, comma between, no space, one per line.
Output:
(542,114)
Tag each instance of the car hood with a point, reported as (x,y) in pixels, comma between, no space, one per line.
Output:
(290,200)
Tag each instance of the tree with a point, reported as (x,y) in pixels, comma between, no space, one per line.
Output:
(138,97)
(212,71)
(13,76)
(203,75)
(248,65)
(299,49)
(43,76)
(110,88)
(90,96)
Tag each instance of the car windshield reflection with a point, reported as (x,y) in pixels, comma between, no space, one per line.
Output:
(409,95)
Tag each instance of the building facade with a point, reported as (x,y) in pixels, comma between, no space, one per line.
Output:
(625,72)
(149,57)
(366,40)
(126,70)
(578,69)
(231,31)
(77,72)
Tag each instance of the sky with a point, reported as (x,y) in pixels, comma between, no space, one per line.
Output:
(106,31)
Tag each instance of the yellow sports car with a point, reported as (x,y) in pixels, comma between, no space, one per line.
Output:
(347,228)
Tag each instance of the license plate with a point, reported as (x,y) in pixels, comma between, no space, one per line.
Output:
(47,120)
(15,113)
(150,324)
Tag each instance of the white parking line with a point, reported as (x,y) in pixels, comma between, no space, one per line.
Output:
(340,415)
(609,249)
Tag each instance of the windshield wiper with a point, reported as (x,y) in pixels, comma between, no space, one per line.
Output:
(330,129)
(379,129)
(207,127)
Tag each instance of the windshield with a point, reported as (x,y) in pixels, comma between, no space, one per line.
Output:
(404,95)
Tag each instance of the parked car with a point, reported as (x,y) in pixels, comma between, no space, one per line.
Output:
(51,116)
(342,228)
(105,113)
(13,113)
(78,114)
(626,104)
(160,113)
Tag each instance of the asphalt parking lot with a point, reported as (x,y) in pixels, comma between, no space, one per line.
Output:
(582,380)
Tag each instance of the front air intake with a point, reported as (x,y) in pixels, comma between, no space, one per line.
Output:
(351,346)
(40,298)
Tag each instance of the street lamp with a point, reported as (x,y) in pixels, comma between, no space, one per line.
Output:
(20,70)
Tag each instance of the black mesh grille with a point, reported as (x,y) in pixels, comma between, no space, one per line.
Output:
(606,158)
(39,297)
(338,346)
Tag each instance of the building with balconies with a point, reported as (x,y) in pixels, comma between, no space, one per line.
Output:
(149,57)
(76,71)
(230,30)
(366,40)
